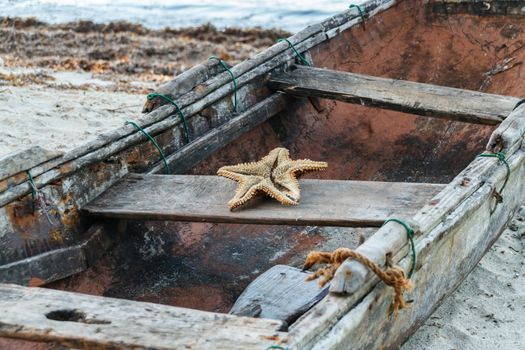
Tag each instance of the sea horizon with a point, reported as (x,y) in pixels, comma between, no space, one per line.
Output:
(291,15)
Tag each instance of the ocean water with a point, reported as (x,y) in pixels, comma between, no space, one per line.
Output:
(292,15)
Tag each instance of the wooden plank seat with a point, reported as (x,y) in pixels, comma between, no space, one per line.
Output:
(205,198)
(404,96)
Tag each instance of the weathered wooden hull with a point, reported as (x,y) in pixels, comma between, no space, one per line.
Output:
(206,266)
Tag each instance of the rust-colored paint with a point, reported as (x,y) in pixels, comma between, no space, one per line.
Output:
(17,344)
(406,42)
(13,180)
(35,282)
(22,217)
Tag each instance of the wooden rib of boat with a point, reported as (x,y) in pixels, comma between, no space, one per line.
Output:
(130,257)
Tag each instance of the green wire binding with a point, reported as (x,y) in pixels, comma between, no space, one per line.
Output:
(182,117)
(166,166)
(410,235)
(233,79)
(502,158)
(360,13)
(297,54)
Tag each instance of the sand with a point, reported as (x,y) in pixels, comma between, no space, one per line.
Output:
(59,119)
(487,311)
(101,75)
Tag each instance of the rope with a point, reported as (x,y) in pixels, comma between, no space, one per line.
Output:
(393,276)
(501,157)
(166,166)
(360,13)
(182,117)
(297,54)
(410,236)
(233,79)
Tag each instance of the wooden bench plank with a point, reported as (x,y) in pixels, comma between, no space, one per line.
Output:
(281,293)
(404,96)
(205,198)
(84,321)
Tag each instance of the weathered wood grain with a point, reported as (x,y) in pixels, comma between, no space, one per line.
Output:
(158,120)
(205,198)
(404,96)
(192,102)
(16,162)
(391,238)
(508,136)
(59,263)
(219,137)
(281,293)
(446,256)
(183,83)
(88,322)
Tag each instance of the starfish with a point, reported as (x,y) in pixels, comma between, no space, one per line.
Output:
(275,175)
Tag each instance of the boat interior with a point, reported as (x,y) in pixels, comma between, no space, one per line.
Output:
(207,266)
(396,154)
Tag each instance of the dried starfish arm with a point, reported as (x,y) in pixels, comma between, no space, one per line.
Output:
(285,175)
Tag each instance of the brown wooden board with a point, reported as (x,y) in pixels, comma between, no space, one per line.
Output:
(400,95)
(281,293)
(205,198)
(91,322)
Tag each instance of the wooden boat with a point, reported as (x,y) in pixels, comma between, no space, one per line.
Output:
(134,258)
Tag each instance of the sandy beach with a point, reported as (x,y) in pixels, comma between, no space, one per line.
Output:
(100,79)
(487,310)
(101,76)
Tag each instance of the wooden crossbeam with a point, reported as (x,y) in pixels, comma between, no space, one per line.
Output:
(204,199)
(91,322)
(399,95)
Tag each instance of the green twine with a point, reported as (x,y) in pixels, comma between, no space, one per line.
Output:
(34,189)
(166,166)
(502,158)
(410,235)
(233,79)
(360,13)
(276,347)
(297,54)
(182,117)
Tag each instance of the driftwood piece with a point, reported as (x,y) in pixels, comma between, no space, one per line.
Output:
(205,198)
(281,293)
(83,321)
(399,95)
(191,154)
(16,162)
(43,268)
